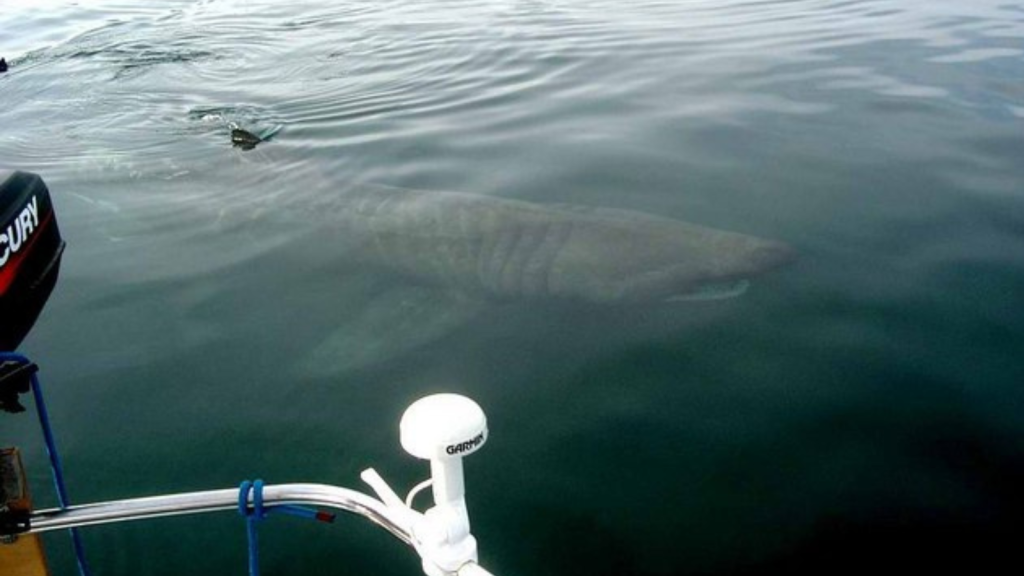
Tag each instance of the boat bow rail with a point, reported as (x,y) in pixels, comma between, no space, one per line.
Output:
(441,428)
(190,503)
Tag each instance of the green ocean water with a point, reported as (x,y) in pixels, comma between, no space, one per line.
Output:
(857,410)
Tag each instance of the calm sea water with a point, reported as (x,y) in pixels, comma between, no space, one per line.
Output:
(858,409)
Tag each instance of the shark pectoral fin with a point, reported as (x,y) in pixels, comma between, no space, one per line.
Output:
(388,325)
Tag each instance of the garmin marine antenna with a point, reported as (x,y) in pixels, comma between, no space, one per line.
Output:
(442,428)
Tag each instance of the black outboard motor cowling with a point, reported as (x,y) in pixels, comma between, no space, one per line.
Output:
(30,251)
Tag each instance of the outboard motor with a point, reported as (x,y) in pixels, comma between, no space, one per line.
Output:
(30,251)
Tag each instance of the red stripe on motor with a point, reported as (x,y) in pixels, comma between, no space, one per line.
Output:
(10,269)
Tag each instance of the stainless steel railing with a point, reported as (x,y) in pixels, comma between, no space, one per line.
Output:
(322,495)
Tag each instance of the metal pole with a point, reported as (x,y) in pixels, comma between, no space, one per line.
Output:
(322,495)
(217,500)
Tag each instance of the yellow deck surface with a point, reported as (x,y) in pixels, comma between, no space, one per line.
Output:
(23,558)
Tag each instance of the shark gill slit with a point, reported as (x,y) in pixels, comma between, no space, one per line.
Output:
(538,265)
(562,232)
(515,270)
(506,237)
(506,257)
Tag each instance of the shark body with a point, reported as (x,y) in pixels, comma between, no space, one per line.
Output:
(505,248)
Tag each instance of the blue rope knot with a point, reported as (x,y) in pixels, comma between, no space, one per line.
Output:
(252,516)
(255,489)
(256,512)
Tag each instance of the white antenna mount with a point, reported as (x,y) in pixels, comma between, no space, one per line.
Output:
(442,428)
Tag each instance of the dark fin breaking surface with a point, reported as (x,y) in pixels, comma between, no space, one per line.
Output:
(244,139)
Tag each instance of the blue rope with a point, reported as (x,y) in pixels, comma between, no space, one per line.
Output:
(256,512)
(55,464)
(252,516)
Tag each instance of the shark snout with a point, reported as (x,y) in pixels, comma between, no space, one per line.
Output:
(769,255)
(724,276)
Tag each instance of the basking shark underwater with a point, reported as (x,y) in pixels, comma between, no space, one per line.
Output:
(504,249)
(465,250)
(397,268)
